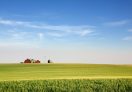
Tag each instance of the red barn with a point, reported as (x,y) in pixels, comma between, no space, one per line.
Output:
(37,61)
(27,61)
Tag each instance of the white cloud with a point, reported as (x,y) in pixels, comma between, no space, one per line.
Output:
(18,44)
(6,22)
(40,35)
(85,32)
(128,38)
(55,34)
(116,23)
(81,30)
(129,30)
(16,34)
(19,36)
(13,23)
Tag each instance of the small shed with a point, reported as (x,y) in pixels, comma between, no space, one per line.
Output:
(49,61)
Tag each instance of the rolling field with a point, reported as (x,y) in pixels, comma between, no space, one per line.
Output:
(63,71)
(65,78)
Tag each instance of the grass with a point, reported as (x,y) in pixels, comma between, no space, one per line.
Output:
(65,78)
(69,85)
(63,71)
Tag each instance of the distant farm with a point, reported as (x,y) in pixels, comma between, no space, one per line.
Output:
(34,61)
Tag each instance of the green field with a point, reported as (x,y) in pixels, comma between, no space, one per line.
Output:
(68,85)
(63,71)
(65,78)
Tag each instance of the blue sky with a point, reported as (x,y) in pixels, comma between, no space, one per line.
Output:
(66,31)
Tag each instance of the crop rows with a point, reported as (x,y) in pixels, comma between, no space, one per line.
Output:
(65,85)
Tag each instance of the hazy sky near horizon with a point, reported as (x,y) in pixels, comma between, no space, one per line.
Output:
(66,31)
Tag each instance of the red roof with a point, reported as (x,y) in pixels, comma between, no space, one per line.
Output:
(27,61)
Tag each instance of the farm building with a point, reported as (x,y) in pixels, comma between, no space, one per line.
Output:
(37,61)
(49,61)
(27,61)
(31,61)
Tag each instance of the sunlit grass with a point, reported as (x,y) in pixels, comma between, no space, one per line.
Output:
(63,71)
